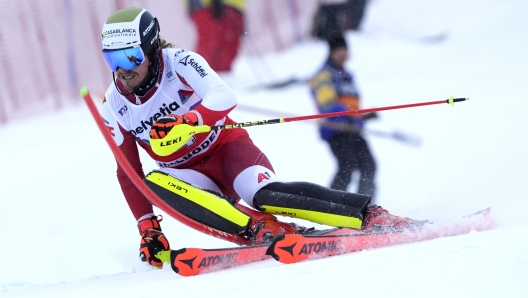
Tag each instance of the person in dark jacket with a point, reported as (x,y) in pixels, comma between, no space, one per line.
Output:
(335,17)
(334,90)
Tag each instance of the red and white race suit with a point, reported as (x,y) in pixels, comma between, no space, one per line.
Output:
(225,161)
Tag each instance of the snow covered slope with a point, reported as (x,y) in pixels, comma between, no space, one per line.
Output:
(67,231)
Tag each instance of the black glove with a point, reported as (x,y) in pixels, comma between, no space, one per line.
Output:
(218,8)
(370,116)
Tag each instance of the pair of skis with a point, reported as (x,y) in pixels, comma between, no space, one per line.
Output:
(289,248)
(293,248)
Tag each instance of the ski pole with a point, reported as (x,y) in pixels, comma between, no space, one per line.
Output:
(177,137)
(450,101)
(343,126)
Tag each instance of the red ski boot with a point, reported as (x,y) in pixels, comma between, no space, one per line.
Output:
(265,231)
(264,227)
(380,220)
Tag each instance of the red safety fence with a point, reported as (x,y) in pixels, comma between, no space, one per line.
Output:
(49,49)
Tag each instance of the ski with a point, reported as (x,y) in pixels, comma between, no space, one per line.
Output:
(294,248)
(194,261)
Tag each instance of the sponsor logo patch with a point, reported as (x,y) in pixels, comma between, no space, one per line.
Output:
(196,151)
(148,28)
(263,176)
(155,38)
(146,124)
(119,32)
(122,111)
(186,61)
(319,247)
(229,258)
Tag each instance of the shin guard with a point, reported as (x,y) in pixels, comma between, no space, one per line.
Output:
(206,207)
(313,202)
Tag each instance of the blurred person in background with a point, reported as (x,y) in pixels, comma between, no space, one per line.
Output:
(158,93)
(220,26)
(334,17)
(334,90)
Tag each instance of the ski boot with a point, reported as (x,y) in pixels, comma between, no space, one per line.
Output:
(379,220)
(267,230)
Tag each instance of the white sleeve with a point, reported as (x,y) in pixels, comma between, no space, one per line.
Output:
(215,93)
(111,123)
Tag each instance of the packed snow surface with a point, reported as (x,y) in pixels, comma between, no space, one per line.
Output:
(67,231)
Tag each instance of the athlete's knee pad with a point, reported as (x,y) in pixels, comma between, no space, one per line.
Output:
(313,202)
(250,181)
(203,206)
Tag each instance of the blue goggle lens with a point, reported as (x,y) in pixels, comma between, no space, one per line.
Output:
(127,59)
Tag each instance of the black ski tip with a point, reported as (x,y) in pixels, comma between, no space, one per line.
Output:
(173,255)
(271,249)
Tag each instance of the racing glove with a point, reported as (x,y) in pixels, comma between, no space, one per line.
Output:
(164,124)
(152,240)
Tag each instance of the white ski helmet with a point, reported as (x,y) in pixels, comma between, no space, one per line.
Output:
(128,36)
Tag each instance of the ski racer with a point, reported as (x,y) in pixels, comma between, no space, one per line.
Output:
(158,89)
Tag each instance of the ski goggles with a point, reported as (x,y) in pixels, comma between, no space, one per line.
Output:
(127,58)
